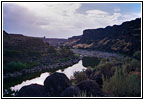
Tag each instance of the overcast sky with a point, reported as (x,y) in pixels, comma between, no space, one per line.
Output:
(63,20)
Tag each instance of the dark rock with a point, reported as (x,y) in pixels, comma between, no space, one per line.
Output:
(33,90)
(70,92)
(56,83)
(90,87)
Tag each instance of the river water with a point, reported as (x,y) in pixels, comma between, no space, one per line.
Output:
(40,79)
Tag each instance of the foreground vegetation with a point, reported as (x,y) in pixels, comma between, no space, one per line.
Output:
(116,78)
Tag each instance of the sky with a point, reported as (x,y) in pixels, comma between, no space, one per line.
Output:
(63,20)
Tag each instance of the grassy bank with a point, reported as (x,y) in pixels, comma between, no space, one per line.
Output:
(14,66)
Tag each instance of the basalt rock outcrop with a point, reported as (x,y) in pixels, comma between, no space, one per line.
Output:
(33,90)
(90,87)
(124,38)
(56,83)
(71,92)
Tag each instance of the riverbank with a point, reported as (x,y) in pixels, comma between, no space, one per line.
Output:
(51,67)
(99,54)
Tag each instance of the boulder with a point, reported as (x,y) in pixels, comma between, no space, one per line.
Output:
(33,90)
(70,91)
(56,83)
(90,87)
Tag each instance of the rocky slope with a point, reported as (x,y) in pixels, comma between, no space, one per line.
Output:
(22,48)
(124,38)
(23,52)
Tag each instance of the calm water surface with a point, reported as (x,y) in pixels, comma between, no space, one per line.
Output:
(40,80)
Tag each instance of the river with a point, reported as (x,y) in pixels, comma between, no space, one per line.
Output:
(38,78)
(69,71)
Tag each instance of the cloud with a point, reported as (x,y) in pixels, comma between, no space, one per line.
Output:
(59,20)
(117,9)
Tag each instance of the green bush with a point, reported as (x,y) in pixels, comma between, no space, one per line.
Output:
(51,49)
(121,85)
(17,66)
(76,55)
(11,53)
(108,68)
(14,66)
(65,59)
(133,83)
(32,64)
(79,76)
(66,52)
(131,65)
(137,55)
(34,53)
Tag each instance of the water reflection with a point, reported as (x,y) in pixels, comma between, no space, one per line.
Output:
(70,70)
(90,61)
(39,80)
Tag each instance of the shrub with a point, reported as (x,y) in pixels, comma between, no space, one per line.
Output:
(32,64)
(84,94)
(115,85)
(131,65)
(11,53)
(76,55)
(34,53)
(79,76)
(66,52)
(122,84)
(51,49)
(17,66)
(137,55)
(108,68)
(133,85)
(66,59)
(13,66)
(9,93)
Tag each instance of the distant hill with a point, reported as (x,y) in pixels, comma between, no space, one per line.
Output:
(124,38)
(55,41)
(72,40)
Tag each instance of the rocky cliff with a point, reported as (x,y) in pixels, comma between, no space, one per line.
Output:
(124,38)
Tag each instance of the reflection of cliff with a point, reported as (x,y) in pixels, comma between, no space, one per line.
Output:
(90,61)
